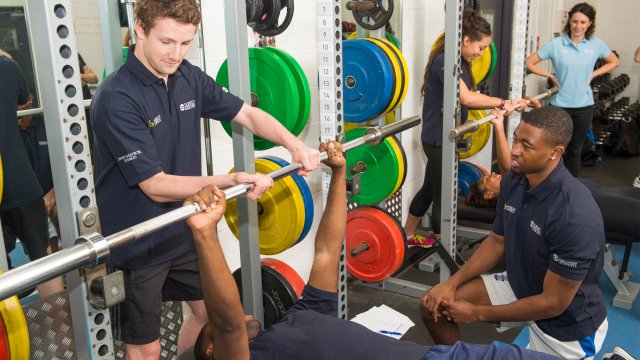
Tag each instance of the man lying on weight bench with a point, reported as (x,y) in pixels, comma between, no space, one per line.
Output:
(311,328)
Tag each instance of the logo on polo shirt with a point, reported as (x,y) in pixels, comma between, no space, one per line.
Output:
(536,229)
(155,121)
(509,208)
(559,261)
(188,105)
(130,156)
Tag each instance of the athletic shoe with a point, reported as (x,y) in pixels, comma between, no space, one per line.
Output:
(420,240)
(636,182)
(618,353)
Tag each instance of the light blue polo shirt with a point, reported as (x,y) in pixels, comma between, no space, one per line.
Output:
(573,67)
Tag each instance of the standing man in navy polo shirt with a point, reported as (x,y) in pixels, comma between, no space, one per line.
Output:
(146,119)
(550,230)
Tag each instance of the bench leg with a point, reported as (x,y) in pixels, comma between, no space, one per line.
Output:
(627,290)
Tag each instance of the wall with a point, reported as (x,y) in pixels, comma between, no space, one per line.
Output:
(615,25)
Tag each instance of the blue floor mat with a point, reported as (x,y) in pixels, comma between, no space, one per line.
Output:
(624,325)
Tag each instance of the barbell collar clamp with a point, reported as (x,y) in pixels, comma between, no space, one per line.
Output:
(99,246)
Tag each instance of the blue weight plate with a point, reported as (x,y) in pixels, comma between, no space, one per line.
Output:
(367,80)
(468,174)
(306,196)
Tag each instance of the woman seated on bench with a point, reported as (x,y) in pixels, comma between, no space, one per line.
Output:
(619,206)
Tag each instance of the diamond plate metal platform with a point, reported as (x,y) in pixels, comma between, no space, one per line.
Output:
(51,332)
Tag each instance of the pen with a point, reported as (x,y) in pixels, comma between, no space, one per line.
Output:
(390,332)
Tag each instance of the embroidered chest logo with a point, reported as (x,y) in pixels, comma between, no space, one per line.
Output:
(188,105)
(157,120)
(509,208)
(563,262)
(536,229)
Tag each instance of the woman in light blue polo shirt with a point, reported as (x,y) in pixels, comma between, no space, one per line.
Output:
(573,56)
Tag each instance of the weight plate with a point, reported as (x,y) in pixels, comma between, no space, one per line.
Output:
(483,170)
(293,278)
(269,16)
(376,18)
(401,164)
(4,341)
(367,79)
(379,179)
(468,175)
(401,155)
(384,238)
(280,212)
(480,137)
(306,196)
(398,74)
(277,294)
(273,89)
(494,61)
(433,46)
(389,36)
(480,65)
(303,88)
(405,72)
(15,325)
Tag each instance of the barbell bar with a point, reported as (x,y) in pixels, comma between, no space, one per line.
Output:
(473,125)
(90,250)
(21,113)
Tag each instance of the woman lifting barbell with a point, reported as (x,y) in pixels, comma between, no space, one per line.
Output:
(476,36)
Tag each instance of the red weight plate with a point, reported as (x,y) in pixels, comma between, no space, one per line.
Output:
(384,238)
(4,342)
(288,272)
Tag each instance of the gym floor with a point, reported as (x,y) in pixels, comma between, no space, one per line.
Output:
(613,171)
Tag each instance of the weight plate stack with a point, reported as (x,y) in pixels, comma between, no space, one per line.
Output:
(382,168)
(281,212)
(273,89)
(480,137)
(401,73)
(385,242)
(368,80)
(307,197)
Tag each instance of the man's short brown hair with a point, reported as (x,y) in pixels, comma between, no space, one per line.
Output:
(182,11)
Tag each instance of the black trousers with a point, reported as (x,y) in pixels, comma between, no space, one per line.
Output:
(582,118)
(431,187)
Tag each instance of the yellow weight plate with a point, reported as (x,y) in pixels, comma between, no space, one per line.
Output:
(480,66)
(405,71)
(281,212)
(16,325)
(433,46)
(399,83)
(401,166)
(480,137)
(390,118)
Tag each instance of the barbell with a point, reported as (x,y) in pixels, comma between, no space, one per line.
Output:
(92,249)
(473,125)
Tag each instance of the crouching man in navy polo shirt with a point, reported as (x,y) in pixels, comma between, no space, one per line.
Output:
(146,119)
(551,232)
(311,328)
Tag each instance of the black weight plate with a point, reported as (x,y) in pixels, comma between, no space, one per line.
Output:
(277,294)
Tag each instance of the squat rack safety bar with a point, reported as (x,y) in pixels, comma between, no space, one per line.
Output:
(473,125)
(90,250)
(40,110)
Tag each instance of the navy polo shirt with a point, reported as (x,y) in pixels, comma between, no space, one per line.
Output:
(432,115)
(556,226)
(142,128)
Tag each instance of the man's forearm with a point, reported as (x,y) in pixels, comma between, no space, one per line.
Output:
(163,187)
(267,127)
(526,309)
(333,222)
(484,259)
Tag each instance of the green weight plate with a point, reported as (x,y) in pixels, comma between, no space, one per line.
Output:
(494,61)
(394,40)
(379,179)
(272,87)
(281,212)
(480,137)
(303,88)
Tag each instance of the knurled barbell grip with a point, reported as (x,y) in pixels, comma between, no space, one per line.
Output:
(361,5)
(363,247)
(473,125)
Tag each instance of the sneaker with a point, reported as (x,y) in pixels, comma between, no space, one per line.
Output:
(636,182)
(618,353)
(420,240)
